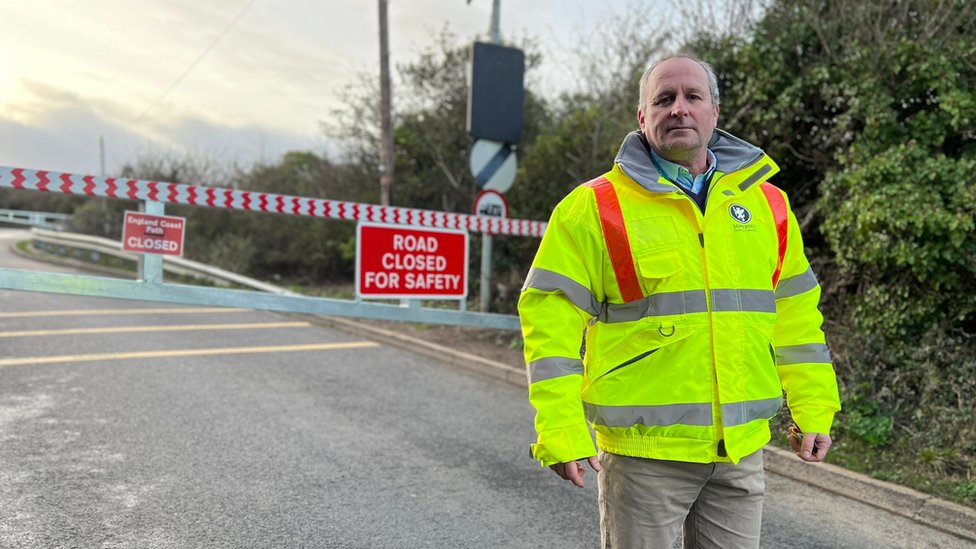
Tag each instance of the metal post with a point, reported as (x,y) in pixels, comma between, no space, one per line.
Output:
(386,116)
(151,265)
(485,272)
(496,9)
(496,38)
(101,155)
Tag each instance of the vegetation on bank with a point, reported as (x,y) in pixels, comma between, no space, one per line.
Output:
(868,107)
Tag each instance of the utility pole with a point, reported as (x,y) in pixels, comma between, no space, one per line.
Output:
(386,122)
(101,155)
(106,226)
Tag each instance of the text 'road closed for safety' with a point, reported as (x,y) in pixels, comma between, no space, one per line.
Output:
(407,262)
(153,234)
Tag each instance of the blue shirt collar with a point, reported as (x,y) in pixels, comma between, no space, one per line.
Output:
(679,175)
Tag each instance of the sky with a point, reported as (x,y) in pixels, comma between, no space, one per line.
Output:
(234,81)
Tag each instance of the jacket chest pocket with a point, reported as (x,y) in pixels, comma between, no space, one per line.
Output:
(658,270)
(652,233)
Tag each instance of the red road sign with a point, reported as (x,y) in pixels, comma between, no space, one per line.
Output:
(153,234)
(490,203)
(411,263)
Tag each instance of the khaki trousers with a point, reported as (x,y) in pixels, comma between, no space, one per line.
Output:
(645,502)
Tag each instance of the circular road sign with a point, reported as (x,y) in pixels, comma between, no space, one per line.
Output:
(491,204)
(493,165)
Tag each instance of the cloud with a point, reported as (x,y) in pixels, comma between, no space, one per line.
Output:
(29,147)
(85,69)
(63,135)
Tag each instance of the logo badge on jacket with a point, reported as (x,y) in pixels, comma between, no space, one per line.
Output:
(740,213)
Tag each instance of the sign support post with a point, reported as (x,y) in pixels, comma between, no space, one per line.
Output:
(151,265)
(485,295)
(488,203)
(496,105)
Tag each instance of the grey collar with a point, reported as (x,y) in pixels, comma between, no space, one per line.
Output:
(731,154)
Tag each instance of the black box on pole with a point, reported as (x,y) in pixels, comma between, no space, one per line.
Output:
(496,98)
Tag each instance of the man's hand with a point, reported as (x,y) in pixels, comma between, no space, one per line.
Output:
(573,471)
(812,448)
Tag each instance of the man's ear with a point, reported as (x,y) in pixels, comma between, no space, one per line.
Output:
(640,118)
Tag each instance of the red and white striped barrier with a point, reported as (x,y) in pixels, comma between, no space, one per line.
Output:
(212,197)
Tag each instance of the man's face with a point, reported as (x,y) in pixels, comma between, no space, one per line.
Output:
(679,117)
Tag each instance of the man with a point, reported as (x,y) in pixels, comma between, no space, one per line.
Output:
(684,271)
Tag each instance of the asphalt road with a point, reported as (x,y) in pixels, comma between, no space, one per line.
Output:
(142,425)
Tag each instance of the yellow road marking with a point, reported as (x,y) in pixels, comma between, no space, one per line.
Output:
(153,329)
(160,311)
(186,352)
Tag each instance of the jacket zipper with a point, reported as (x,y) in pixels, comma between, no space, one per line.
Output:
(716,405)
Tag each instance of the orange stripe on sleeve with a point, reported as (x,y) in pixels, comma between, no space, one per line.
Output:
(778,206)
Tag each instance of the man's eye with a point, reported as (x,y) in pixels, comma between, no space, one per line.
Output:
(663,100)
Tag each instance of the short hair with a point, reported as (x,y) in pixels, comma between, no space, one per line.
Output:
(712,79)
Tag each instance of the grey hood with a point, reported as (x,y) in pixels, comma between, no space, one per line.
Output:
(731,154)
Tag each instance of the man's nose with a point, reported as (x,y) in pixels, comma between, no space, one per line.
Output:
(679,108)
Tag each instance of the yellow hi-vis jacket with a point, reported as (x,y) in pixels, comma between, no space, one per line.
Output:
(694,324)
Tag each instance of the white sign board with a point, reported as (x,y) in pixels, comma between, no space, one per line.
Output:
(493,165)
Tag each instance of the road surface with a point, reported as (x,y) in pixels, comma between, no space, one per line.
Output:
(145,425)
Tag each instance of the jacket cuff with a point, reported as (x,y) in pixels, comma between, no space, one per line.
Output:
(563,445)
(813,419)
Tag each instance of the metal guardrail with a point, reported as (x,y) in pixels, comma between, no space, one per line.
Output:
(60,283)
(171,264)
(45,220)
(270,297)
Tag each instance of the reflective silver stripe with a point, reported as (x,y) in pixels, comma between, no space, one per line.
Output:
(698,415)
(727,192)
(658,416)
(757,301)
(754,178)
(740,413)
(796,285)
(798,354)
(690,301)
(665,303)
(555,366)
(548,281)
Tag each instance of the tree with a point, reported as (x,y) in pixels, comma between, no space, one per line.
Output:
(430,138)
(301,249)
